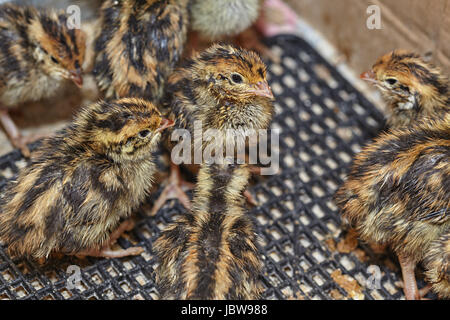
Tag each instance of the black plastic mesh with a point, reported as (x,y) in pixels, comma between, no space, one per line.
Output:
(323,122)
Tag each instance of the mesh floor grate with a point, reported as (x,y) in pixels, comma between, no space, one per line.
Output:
(323,122)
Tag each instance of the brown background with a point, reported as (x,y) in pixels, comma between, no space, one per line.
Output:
(419,25)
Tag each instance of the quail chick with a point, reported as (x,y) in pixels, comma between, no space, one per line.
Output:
(211,252)
(398,192)
(227,19)
(223,87)
(38,52)
(412,87)
(214,19)
(82,182)
(437,265)
(138,44)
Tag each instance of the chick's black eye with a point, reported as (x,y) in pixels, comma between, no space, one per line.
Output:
(54,59)
(144,133)
(236,78)
(391,81)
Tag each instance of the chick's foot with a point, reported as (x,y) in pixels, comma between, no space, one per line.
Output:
(174,190)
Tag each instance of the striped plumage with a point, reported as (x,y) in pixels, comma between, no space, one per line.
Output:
(221,88)
(37,53)
(211,252)
(412,87)
(398,190)
(224,87)
(81,182)
(437,265)
(138,45)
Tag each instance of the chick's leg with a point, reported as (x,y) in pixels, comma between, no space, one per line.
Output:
(250,198)
(107,252)
(409,278)
(174,190)
(127,225)
(13,132)
(424,291)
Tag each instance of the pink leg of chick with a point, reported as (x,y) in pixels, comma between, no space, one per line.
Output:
(17,140)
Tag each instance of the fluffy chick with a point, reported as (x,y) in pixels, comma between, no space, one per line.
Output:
(412,87)
(82,182)
(37,52)
(138,44)
(398,192)
(215,19)
(223,87)
(437,265)
(228,20)
(211,252)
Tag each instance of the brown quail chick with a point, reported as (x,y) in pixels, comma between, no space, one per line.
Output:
(437,265)
(398,192)
(412,87)
(82,182)
(223,87)
(211,252)
(139,43)
(37,53)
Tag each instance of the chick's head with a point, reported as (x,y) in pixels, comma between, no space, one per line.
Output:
(406,79)
(230,88)
(59,49)
(234,73)
(124,130)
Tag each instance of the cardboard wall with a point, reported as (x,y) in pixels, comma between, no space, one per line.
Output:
(419,25)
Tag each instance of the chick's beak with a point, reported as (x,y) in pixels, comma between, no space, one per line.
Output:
(368,76)
(76,77)
(262,89)
(165,123)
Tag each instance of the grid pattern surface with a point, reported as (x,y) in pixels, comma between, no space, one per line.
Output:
(307,254)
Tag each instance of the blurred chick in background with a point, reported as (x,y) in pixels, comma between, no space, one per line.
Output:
(38,52)
(412,87)
(215,19)
(223,87)
(82,182)
(137,46)
(228,20)
(398,193)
